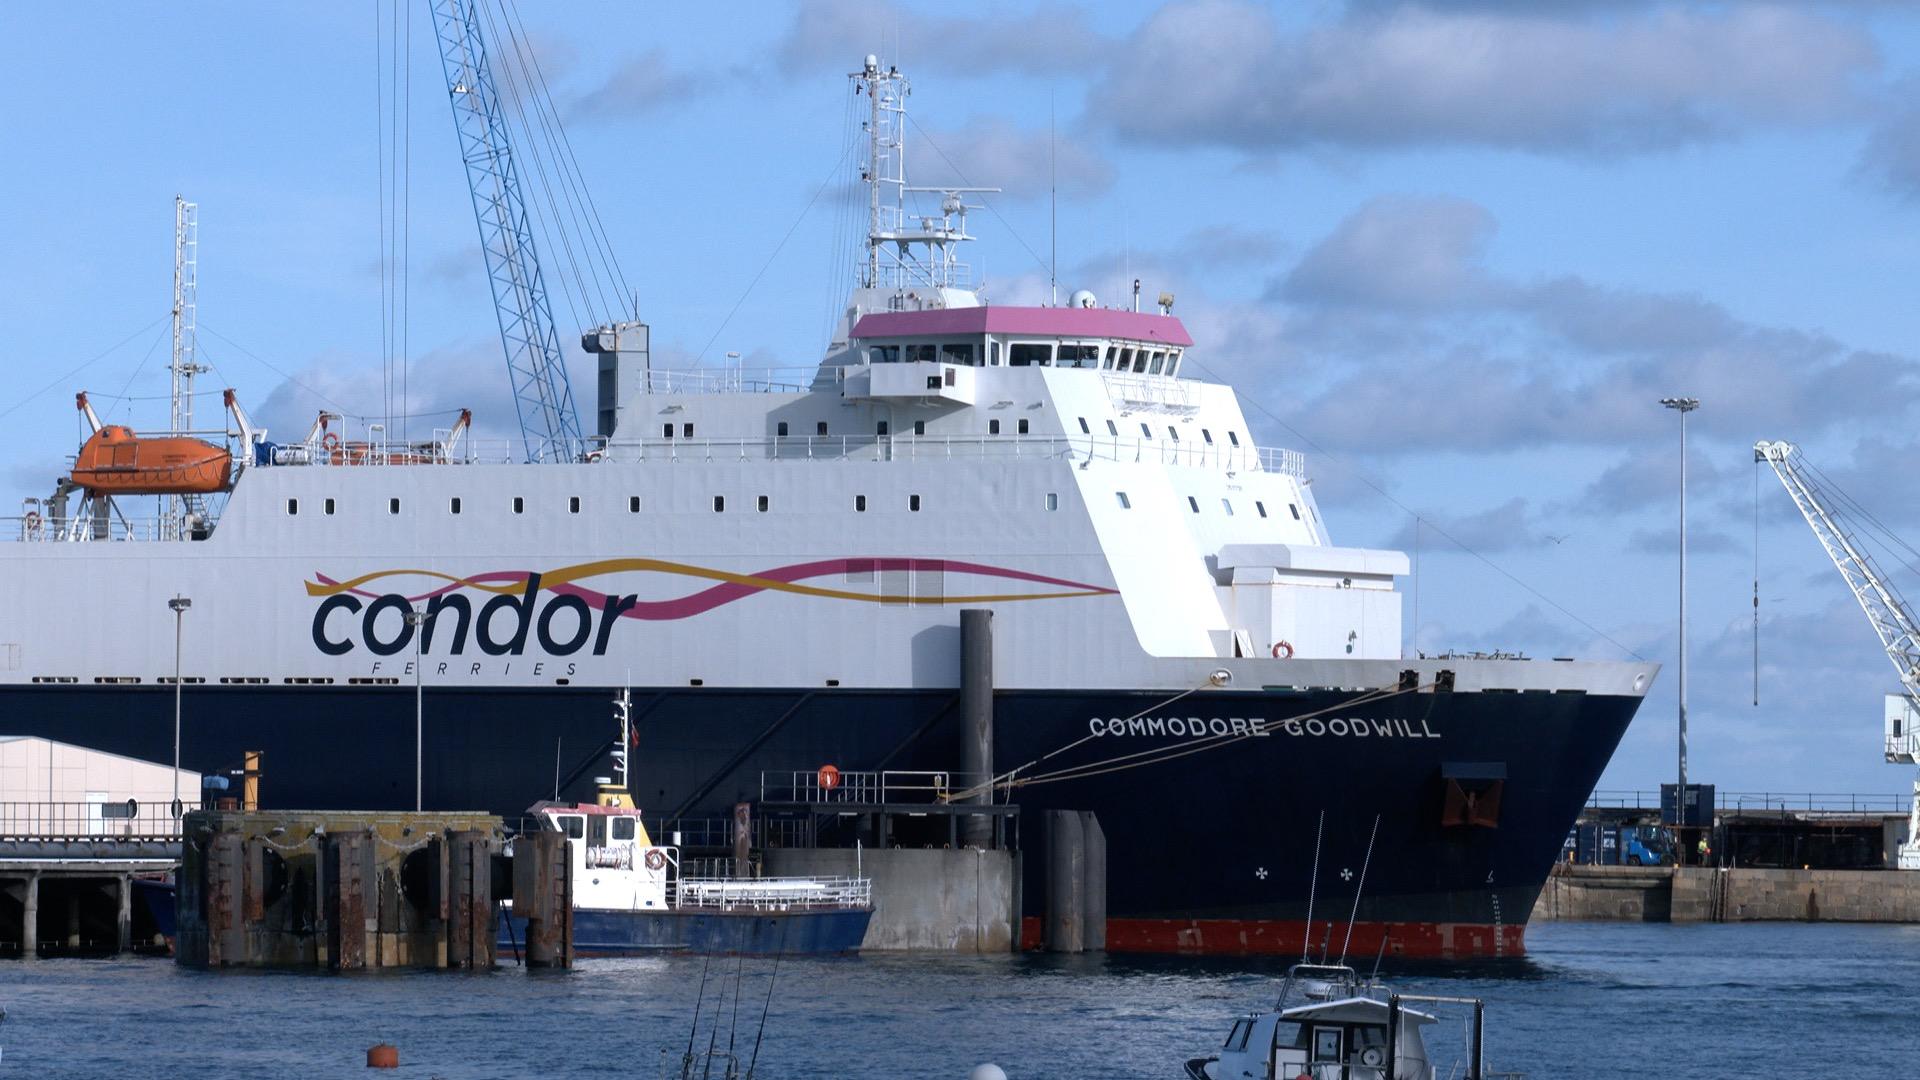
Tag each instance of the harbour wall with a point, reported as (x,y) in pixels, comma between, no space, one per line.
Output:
(1709,894)
(932,899)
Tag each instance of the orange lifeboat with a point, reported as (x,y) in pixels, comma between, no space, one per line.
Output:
(115,461)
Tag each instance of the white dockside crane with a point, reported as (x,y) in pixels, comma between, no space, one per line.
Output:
(1824,509)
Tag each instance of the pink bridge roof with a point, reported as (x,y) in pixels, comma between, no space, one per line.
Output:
(1041,321)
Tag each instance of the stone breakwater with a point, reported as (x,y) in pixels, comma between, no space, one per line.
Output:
(1705,894)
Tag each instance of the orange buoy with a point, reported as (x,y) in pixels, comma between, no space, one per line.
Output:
(383,1056)
(115,461)
(829,777)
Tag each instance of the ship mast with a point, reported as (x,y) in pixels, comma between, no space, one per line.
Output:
(186,289)
(905,253)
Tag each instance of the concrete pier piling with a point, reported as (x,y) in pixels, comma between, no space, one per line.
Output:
(345,890)
(1066,872)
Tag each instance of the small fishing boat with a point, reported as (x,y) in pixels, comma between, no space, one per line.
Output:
(630,896)
(1330,1024)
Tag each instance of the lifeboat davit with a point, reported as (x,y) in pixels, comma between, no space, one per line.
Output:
(115,461)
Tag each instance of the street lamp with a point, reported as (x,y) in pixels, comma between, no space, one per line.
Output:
(1683,406)
(179,604)
(417,620)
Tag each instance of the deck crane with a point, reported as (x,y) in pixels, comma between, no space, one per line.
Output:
(542,394)
(1886,609)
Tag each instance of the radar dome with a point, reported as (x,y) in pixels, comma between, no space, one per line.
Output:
(1083,298)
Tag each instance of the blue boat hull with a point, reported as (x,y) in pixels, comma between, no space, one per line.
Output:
(725,933)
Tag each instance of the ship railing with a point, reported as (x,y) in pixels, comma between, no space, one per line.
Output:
(865,788)
(33,528)
(115,820)
(1742,801)
(771,380)
(1188,452)
(773,894)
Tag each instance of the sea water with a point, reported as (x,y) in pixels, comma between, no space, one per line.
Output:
(1595,1000)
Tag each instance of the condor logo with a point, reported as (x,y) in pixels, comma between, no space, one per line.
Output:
(572,617)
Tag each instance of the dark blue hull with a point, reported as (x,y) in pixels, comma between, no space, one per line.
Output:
(828,932)
(1210,851)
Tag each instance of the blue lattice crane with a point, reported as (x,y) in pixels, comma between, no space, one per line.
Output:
(542,394)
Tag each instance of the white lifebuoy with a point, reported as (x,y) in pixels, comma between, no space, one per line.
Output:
(1282,650)
(656,859)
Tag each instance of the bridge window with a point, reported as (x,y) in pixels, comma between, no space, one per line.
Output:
(1030,354)
(1126,360)
(1296,511)
(574,825)
(686,431)
(1193,503)
(1023,425)
(957,352)
(293,507)
(1079,356)
(519,505)
(1173,433)
(1140,361)
(859,504)
(1207,435)
(719,504)
(820,429)
(1107,363)
(326,506)
(1084,429)
(883,354)
(1227,505)
(1173,361)
(780,430)
(762,504)
(633,504)
(1260,506)
(622,828)
(880,429)
(573,504)
(453,505)
(1121,497)
(993,354)
(993,427)
(1111,430)
(1159,360)
(1145,431)
(393,506)
(666,431)
(1233,437)
(913,503)
(922,353)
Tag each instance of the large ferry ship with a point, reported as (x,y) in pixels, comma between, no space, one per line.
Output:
(776,563)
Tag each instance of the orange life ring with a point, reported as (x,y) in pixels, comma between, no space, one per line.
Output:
(1283,650)
(656,859)
(829,777)
(32,522)
(330,441)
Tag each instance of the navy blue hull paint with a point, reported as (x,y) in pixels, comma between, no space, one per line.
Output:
(1220,834)
(716,933)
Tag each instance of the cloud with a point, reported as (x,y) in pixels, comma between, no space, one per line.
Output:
(995,153)
(1419,76)
(1398,252)
(836,34)
(1891,157)
(1507,527)
(642,84)
(1667,541)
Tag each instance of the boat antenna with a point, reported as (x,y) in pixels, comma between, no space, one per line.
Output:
(556,766)
(1306,939)
(1053,210)
(767,1005)
(1361,887)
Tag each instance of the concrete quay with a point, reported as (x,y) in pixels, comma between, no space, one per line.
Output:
(1711,894)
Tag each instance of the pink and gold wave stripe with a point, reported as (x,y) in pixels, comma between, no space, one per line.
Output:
(730,587)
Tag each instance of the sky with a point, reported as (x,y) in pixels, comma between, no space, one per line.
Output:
(1454,251)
